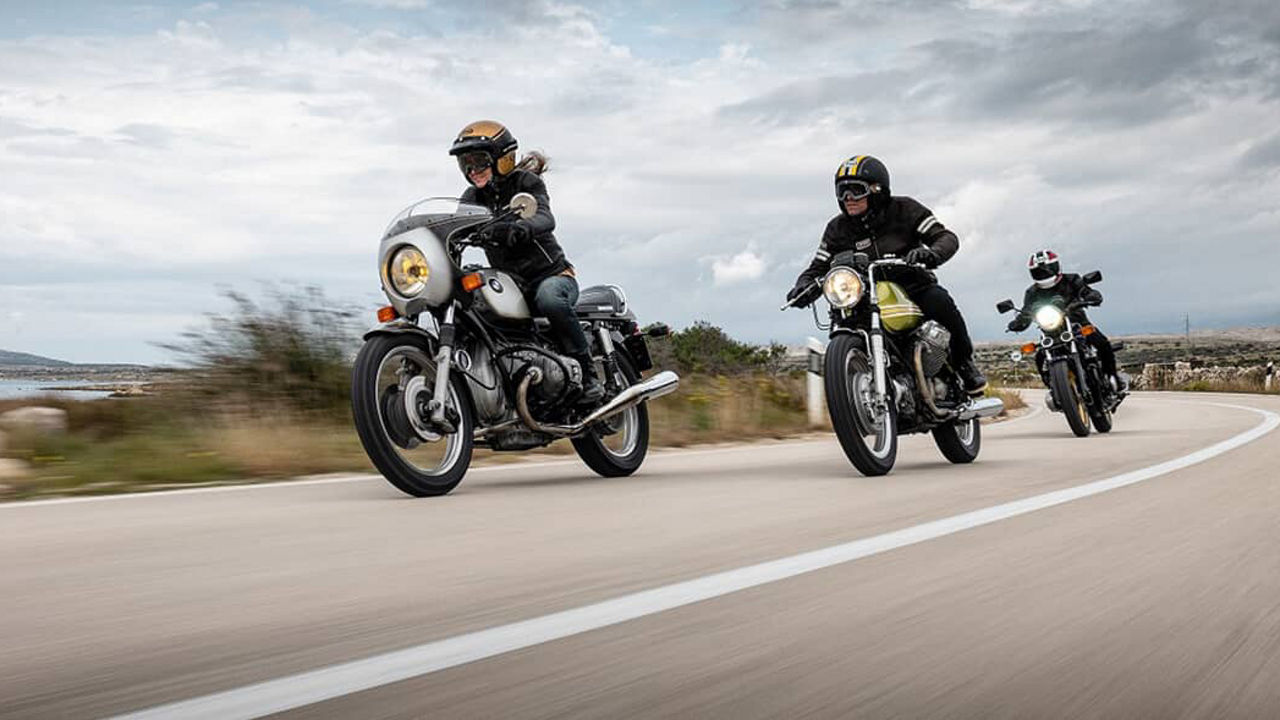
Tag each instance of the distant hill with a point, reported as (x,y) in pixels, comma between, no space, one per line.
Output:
(16,358)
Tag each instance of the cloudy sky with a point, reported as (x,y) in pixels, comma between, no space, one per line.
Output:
(153,153)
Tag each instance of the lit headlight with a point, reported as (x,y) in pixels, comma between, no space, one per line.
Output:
(1049,317)
(409,271)
(842,287)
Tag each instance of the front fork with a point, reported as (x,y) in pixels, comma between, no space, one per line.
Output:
(444,357)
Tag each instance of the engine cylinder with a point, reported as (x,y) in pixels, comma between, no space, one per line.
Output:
(936,343)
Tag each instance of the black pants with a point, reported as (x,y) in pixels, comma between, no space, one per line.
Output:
(1106,355)
(936,304)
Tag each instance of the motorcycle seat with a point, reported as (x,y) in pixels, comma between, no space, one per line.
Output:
(601,301)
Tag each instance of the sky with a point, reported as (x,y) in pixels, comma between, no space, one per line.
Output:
(156,154)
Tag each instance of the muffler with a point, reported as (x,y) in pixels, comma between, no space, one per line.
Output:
(986,407)
(661,384)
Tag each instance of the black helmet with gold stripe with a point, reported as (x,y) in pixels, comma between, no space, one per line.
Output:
(862,176)
(485,143)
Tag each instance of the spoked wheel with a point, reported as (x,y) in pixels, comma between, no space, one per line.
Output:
(959,441)
(868,436)
(616,447)
(1062,382)
(392,384)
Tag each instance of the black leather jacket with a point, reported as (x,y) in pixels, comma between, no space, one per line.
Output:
(537,258)
(895,229)
(1071,288)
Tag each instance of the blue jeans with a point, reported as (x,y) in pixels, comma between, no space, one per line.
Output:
(554,299)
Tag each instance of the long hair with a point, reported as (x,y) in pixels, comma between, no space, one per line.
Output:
(534,161)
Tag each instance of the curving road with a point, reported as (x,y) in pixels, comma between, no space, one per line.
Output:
(1132,574)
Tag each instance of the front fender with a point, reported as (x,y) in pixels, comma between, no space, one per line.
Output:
(401,326)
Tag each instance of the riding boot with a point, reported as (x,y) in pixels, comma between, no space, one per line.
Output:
(592,390)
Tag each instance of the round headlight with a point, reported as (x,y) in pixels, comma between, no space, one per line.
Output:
(409,271)
(842,287)
(1049,317)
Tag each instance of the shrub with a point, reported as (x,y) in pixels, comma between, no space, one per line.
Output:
(292,350)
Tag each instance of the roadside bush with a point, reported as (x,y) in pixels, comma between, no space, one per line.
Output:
(705,348)
(290,351)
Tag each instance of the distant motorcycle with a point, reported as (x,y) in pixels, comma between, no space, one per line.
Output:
(458,361)
(1069,366)
(886,371)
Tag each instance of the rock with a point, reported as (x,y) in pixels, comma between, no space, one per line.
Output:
(43,419)
(12,470)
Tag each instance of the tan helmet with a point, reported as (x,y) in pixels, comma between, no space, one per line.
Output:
(487,137)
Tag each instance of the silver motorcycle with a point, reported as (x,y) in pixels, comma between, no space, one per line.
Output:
(459,361)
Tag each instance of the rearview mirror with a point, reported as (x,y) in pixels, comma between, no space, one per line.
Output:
(524,204)
(1093,277)
(1004,306)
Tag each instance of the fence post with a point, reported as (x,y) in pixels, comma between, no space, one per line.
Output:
(815,397)
(1271,372)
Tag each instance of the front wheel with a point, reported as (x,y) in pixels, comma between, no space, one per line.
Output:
(391,384)
(1062,382)
(869,436)
(616,447)
(959,441)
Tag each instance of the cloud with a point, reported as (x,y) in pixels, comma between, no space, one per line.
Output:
(746,265)
(260,141)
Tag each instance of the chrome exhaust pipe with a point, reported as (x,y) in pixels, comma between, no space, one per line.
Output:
(986,407)
(661,384)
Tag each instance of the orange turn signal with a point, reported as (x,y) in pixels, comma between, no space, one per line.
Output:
(386,313)
(1088,330)
(472,281)
(1028,348)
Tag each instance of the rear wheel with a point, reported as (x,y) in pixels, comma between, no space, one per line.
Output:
(616,447)
(1062,382)
(869,438)
(959,441)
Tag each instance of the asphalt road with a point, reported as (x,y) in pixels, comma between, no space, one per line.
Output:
(1155,593)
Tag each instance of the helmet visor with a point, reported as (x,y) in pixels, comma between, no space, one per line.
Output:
(853,190)
(1047,271)
(474,162)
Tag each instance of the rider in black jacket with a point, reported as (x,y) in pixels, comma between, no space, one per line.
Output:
(1052,286)
(874,222)
(528,249)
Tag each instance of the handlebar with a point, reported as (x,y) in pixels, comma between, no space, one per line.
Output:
(817,284)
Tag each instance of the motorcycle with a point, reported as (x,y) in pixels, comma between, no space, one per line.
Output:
(886,372)
(458,361)
(1069,365)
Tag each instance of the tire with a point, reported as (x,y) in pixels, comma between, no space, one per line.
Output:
(1062,382)
(959,442)
(622,452)
(1100,415)
(846,368)
(399,452)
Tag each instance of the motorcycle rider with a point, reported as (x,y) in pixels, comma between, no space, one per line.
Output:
(877,223)
(486,153)
(1052,286)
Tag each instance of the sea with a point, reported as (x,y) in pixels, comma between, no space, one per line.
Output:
(65,389)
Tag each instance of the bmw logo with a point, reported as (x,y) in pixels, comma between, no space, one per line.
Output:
(495,285)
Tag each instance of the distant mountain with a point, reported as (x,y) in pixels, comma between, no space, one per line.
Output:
(17,358)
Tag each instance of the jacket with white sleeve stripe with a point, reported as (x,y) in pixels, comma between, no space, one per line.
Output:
(892,229)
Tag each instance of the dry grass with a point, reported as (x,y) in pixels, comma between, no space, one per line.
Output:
(131,445)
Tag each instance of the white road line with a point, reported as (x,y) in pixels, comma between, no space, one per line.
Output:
(335,681)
